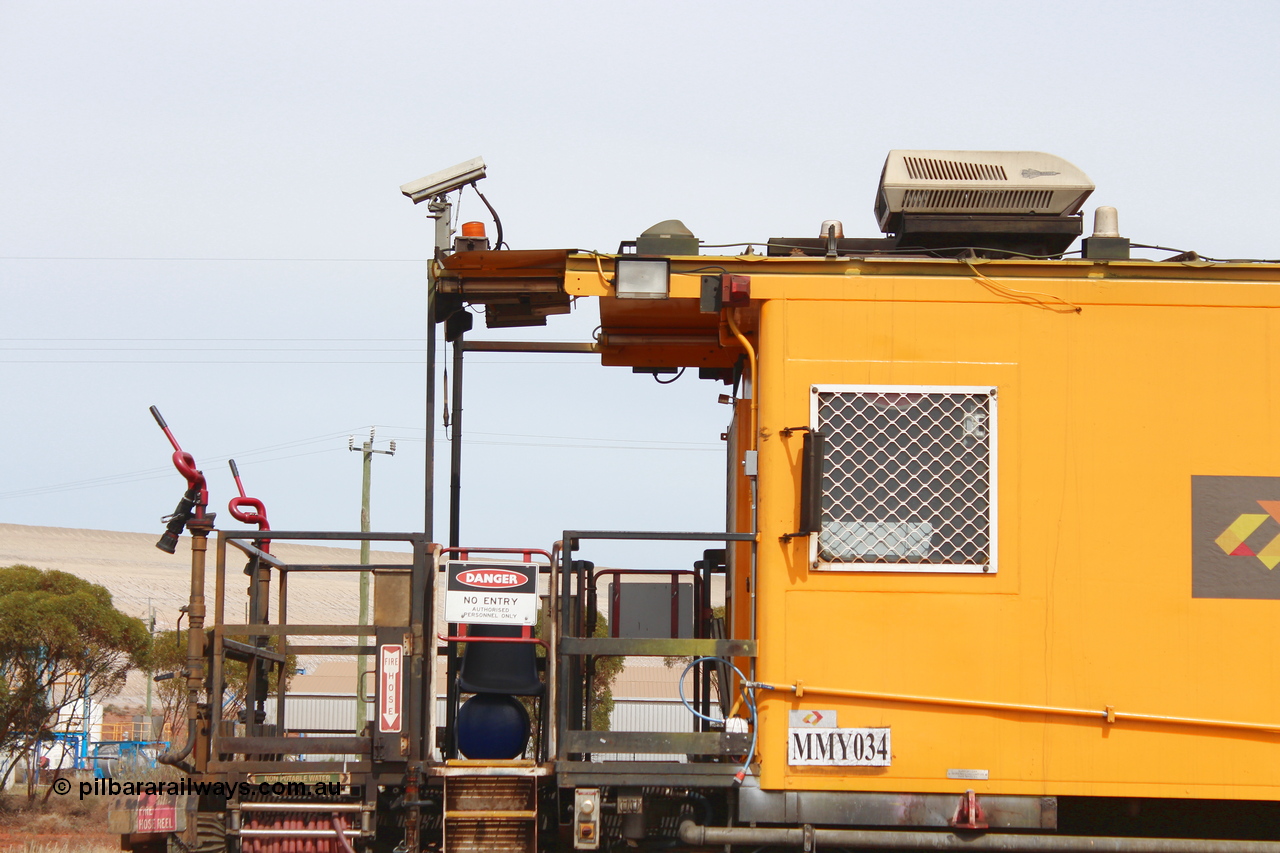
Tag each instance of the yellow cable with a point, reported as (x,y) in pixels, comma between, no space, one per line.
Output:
(600,270)
(1011,293)
(751,362)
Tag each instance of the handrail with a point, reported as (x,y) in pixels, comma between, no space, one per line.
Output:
(527,552)
(246,541)
(1107,714)
(464,638)
(570,544)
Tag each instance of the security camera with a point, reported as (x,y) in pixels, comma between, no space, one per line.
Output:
(445,181)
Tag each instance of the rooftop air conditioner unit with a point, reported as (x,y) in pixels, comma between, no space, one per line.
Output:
(986,183)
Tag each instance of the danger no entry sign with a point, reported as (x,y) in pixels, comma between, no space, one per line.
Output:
(491,593)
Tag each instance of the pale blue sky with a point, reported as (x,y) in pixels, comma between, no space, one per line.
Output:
(260,147)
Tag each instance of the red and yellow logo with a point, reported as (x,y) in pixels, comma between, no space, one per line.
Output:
(1232,540)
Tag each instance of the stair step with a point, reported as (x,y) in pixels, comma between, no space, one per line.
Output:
(485,835)
(486,813)
(495,814)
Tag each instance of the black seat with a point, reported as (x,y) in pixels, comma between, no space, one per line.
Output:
(510,668)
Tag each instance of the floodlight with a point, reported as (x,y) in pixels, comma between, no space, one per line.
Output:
(642,278)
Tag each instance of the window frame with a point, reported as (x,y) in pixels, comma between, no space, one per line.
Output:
(993,445)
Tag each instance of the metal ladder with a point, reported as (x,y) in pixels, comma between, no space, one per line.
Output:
(491,806)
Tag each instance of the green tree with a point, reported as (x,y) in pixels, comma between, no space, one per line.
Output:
(61,638)
(170,656)
(606,670)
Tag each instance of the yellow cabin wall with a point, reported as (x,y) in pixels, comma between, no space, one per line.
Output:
(1103,418)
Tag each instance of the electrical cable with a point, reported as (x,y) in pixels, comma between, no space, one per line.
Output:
(751,363)
(746,686)
(920,250)
(497,221)
(1206,257)
(600,271)
(165,472)
(216,260)
(668,381)
(677,445)
(4,348)
(908,250)
(764,243)
(210,340)
(1026,297)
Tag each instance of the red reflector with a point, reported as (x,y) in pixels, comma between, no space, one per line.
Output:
(735,289)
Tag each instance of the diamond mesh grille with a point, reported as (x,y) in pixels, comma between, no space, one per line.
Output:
(907,477)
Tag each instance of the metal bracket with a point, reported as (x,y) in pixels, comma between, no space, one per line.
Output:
(969,815)
(786,433)
(630,803)
(808,838)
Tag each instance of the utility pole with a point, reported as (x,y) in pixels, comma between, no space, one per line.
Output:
(363,665)
(151,629)
(439,209)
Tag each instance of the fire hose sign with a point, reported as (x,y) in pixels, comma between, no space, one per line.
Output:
(390,686)
(491,593)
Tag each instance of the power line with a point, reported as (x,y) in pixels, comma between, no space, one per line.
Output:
(263,361)
(210,340)
(597,446)
(168,361)
(218,260)
(561,437)
(208,349)
(164,472)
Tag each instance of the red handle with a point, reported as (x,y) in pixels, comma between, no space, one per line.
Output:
(186,465)
(238,507)
(258,516)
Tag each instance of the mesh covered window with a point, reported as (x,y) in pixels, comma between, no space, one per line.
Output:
(908,479)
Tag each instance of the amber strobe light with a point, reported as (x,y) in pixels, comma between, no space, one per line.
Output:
(642,278)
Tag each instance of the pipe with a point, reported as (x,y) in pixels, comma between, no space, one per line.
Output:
(530,346)
(610,340)
(1108,714)
(199,530)
(455,449)
(439,210)
(300,807)
(175,759)
(755,440)
(342,838)
(691,833)
(294,828)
